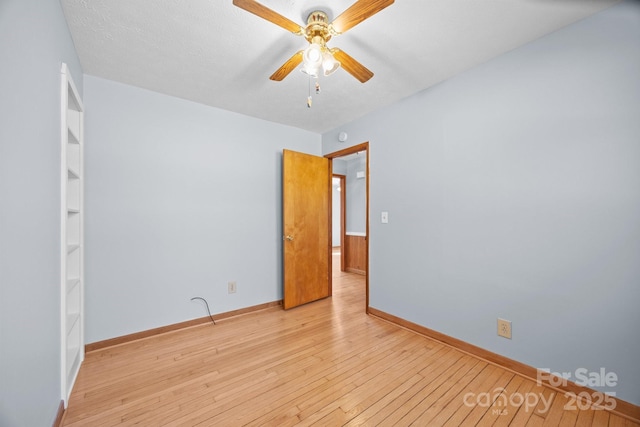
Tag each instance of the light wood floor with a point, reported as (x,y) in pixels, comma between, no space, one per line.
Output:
(326,364)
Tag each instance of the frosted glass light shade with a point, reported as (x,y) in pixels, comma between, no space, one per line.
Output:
(312,56)
(329,63)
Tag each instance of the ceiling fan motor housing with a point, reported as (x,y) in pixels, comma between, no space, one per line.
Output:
(317,30)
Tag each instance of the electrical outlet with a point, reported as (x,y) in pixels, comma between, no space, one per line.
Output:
(231,287)
(504,328)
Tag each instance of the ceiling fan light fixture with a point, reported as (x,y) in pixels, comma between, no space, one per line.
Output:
(310,70)
(329,63)
(313,55)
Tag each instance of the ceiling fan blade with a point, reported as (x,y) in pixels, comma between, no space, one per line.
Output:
(268,14)
(352,66)
(358,12)
(287,67)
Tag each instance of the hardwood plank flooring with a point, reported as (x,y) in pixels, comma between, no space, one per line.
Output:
(325,364)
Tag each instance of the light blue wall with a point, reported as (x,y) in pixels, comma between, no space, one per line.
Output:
(335,215)
(340,168)
(356,195)
(513,191)
(181,198)
(34,41)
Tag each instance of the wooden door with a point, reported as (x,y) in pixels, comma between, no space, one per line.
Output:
(306,198)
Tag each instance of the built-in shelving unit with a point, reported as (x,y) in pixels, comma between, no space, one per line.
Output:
(72,253)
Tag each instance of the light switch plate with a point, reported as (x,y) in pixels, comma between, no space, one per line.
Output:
(384,217)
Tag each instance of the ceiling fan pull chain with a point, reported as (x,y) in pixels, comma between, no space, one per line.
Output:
(317,86)
(309,97)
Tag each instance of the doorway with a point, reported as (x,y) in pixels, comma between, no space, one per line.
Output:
(354,246)
(338,215)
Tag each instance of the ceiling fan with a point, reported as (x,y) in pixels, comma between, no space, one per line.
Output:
(318,32)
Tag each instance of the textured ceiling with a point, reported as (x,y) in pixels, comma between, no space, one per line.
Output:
(214,53)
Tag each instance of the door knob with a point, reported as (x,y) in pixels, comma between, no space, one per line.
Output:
(289,237)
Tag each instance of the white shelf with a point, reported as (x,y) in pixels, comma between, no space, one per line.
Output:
(74,193)
(72,174)
(72,360)
(73,100)
(73,137)
(72,283)
(72,234)
(72,321)
(73,157)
